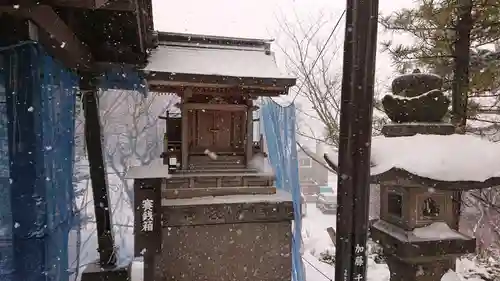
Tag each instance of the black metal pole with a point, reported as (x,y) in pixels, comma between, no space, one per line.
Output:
(365,34)
(345,184)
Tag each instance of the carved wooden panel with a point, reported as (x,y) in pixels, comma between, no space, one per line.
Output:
(217,131)
(222,135)
(238,130)
(204,126)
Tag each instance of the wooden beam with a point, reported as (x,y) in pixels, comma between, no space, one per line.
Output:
(61,36)
(58,39)
(216,90)
(175,79)
(88,4)
(98,176)
(139,20)
(208,106)
(183,193)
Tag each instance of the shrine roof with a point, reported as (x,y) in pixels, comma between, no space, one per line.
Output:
(460,162)
(187,59)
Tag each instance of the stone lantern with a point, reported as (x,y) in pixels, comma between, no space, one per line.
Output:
(418,172)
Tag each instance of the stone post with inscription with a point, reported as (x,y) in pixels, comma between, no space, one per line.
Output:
(148,182)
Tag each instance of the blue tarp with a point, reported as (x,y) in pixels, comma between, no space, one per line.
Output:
(37,108)
(279,131)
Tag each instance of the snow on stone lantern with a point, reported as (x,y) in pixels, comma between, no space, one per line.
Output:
(420,163)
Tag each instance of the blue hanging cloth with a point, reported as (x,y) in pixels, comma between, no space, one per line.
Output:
(279,130)
(39,106)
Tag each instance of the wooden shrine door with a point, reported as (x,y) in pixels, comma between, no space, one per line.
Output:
(218,131)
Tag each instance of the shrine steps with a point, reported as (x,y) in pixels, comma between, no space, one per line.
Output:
(216,166)
(216,170)
(200,162)
(185,193)
(219,178)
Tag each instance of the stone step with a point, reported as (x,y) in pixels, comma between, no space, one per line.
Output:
(183,193)
(217,166)
(218,170)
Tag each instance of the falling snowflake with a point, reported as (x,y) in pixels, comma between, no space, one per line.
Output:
(210,154)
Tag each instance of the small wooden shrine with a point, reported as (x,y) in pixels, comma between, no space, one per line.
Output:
(420,164)
(210,202)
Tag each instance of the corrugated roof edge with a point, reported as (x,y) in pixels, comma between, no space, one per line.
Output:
(212,39)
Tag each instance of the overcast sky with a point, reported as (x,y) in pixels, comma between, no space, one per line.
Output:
(242,18)
(259,19)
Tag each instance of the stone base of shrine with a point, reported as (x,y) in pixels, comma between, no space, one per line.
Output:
(226,238)
(422,271)
(411,129)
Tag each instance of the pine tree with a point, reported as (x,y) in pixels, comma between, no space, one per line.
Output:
(432,24)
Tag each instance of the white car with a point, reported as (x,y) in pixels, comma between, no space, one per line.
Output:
(327,203)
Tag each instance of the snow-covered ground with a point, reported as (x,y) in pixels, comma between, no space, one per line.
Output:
(83,241)
(317,240)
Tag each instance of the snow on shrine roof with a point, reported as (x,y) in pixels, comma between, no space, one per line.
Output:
(443,158)
(212,55)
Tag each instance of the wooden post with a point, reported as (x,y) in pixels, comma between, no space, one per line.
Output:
(355,138)
(185,136)
(164,153)
(249,135)
(98,177)
(343,246)
(188,92)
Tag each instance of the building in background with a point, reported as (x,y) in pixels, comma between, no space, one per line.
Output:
(312,175)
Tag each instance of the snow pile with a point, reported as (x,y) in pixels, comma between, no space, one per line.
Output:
(437,231)
(137,270)
(451,276)
(155,169)
(316,240)
(454,276)
(445,158)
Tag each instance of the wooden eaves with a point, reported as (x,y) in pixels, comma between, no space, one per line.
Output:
(115,5)
(176,82)
(57,37)
(85,34)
